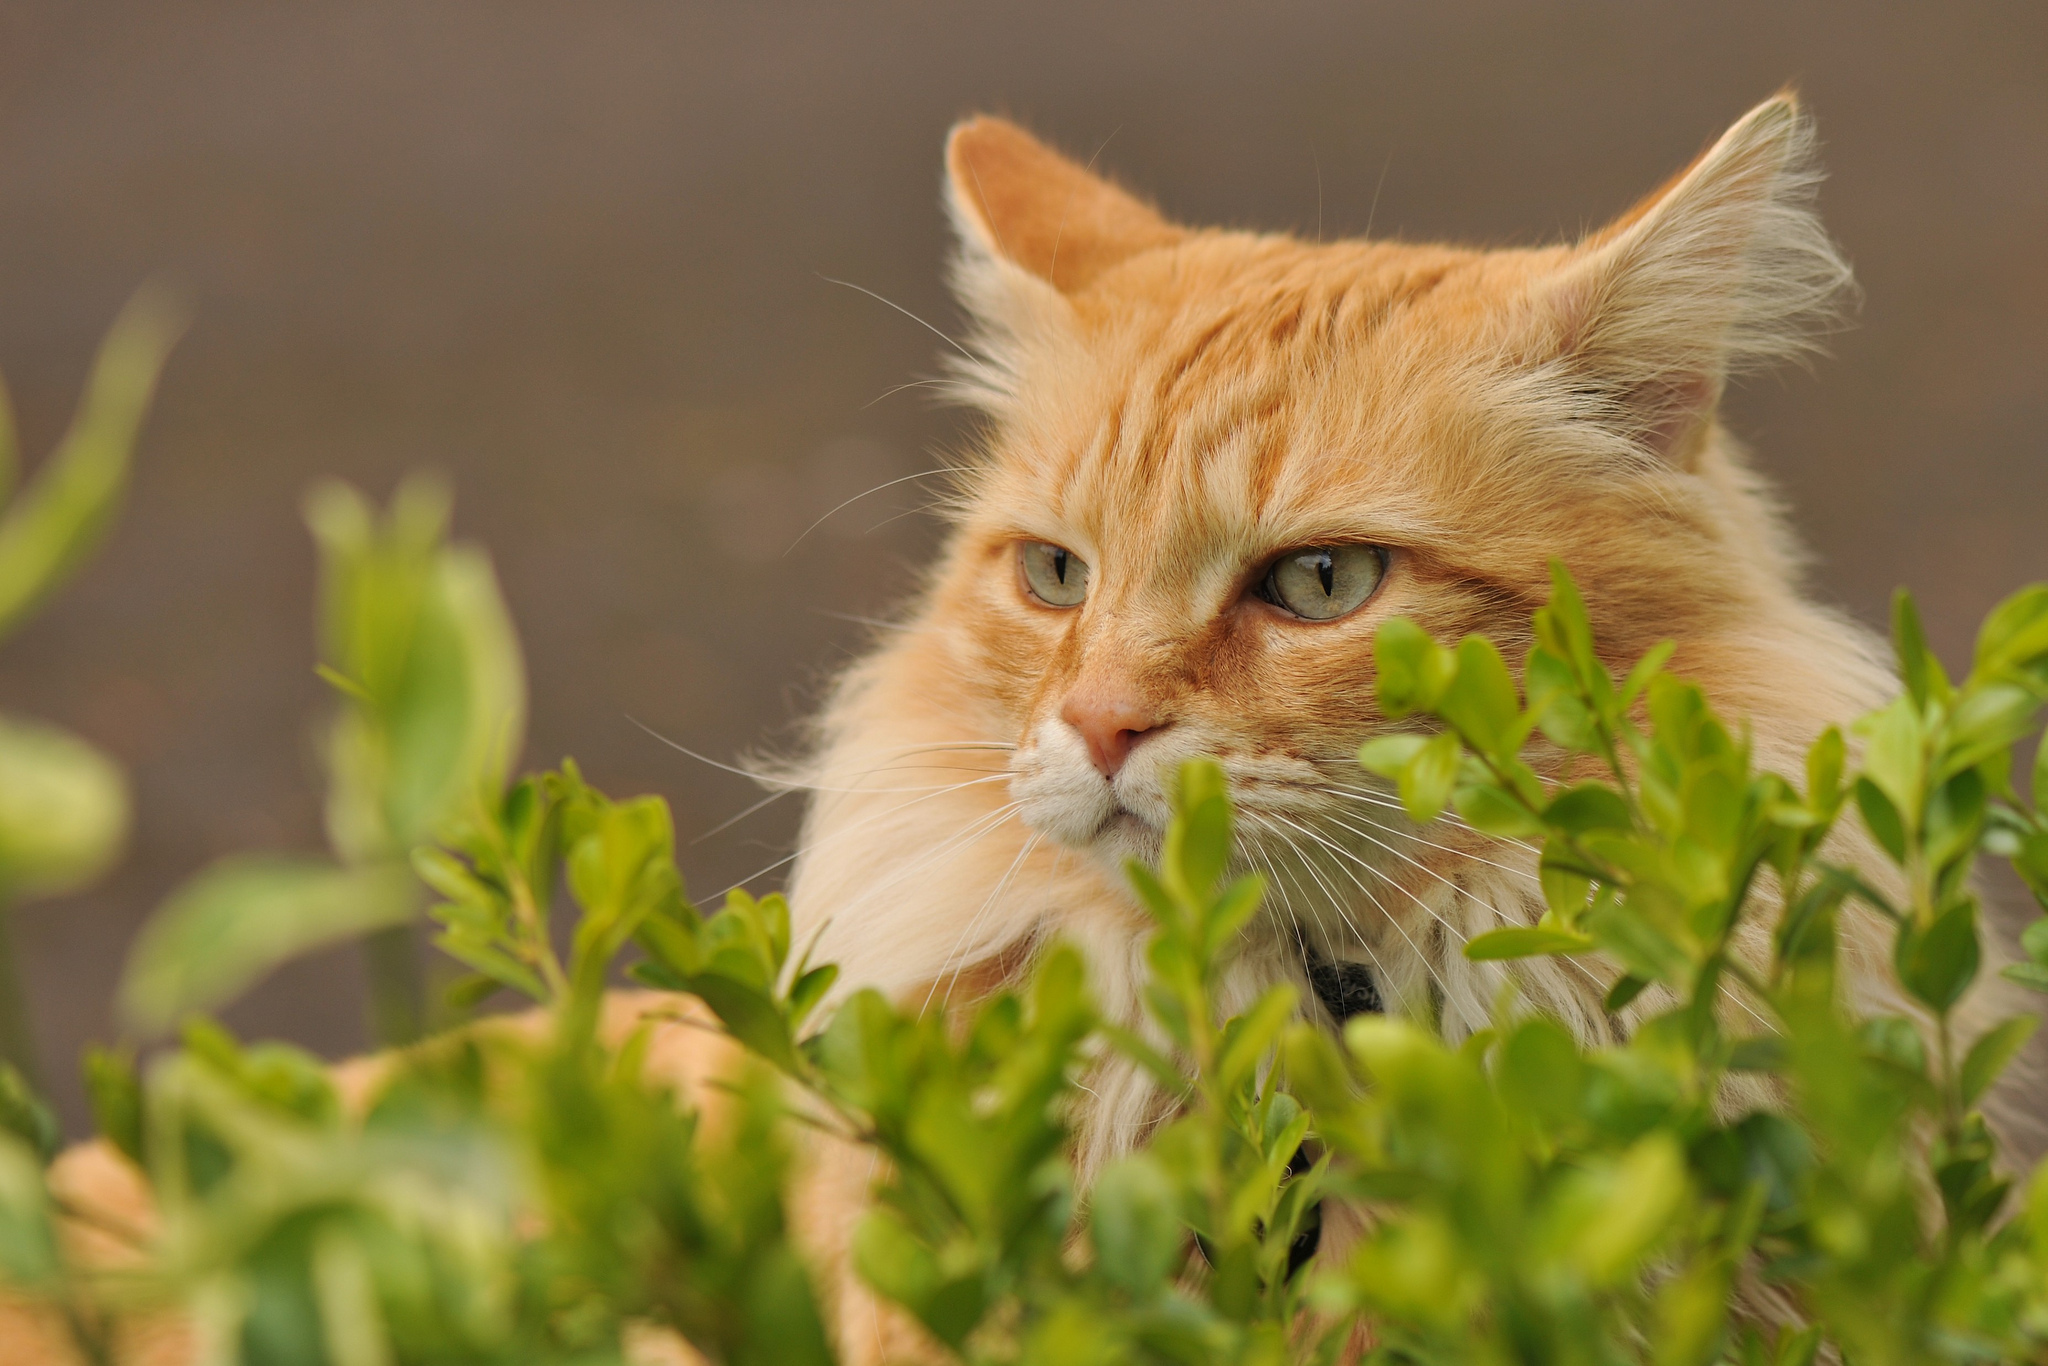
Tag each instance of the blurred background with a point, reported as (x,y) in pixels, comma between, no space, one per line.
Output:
(572,255)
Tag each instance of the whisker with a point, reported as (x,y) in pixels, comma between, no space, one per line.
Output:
(850,830)
(913,384)
(967,934)
(906,313)
(1463,853)
(792,784)
(1469,895)
(975,830)
(890,484)
(730,821)
(857,620)
(1399,929)
(1385,802)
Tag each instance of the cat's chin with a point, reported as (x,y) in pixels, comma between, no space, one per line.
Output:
(1124,836)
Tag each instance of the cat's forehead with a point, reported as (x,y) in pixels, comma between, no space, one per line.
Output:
(1248,391)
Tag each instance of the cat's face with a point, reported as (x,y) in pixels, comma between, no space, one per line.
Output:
(1218,462)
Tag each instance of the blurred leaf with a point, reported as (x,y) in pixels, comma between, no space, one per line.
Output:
(1425,784)
(1412,670)
(1495,945)
(1588,806)
(1135,1225)
(1991,1052)
(1937,964)
(63,809)
(1926,681)
(237,920)
(2015,634)
(55,522)
(428,666)
(29,1257)
(24,1115)
(114,1090)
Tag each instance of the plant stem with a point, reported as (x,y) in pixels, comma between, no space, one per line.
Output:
(17,1038)
(397,994)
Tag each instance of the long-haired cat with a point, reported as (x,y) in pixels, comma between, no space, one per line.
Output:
(1212,464)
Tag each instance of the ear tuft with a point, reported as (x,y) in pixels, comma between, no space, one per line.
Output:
(1723,269)
(1016,199)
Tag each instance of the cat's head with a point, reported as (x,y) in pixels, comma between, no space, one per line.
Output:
(1215,462)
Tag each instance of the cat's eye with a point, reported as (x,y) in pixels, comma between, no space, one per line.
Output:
(1055,575)
(1323,582)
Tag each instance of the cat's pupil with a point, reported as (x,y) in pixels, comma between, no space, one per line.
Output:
(1326,571)
(1059,565)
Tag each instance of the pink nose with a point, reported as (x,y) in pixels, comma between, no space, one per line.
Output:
(1111,719)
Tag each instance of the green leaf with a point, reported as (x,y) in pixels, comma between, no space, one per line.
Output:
(1758,1053)
(1563,627)
(2034,940)
(1411,671)
(1938,963)
(1639,1196)
(1825,763)
(63,810)
(1492,810)
(1425,785)
(2032,976)
(1542,1074)
(115,1092)
(750,1015)
(1991,1052)
(1198,841)
(1481,702)
(1135,1225)
(433,713)
(1643,949)
(2015,635)
(809,989)
(29,1257)
(56,521)
(2039,789)
(239,919)
(1881,818)
(1387,755)
(24,1115)
(1647,668)
(1588,806)
(1249,1037)
(1495,945)
(1926,681)
(1623,992)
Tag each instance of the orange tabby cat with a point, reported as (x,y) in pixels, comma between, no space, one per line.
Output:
(1213,463)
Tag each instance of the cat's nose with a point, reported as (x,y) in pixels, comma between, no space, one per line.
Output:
(1111,720)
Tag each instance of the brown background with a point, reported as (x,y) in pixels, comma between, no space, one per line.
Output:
(572,255)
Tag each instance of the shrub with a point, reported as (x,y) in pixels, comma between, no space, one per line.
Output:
(530,1195)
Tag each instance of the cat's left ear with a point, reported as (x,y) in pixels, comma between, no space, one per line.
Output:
(1724,268)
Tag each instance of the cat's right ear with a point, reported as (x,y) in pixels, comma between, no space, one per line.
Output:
(1019,203)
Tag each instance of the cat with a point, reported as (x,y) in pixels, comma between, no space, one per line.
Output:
(1210,464)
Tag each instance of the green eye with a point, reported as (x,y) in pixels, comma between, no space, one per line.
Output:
(1322,583)
(1056,576)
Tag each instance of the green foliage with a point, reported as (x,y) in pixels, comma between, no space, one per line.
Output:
(419,648)
(63,804)
(1756,1175)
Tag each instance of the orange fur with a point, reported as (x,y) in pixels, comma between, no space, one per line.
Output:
(1177,407)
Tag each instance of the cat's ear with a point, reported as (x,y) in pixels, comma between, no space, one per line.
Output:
(1016,200)
(1724,268)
